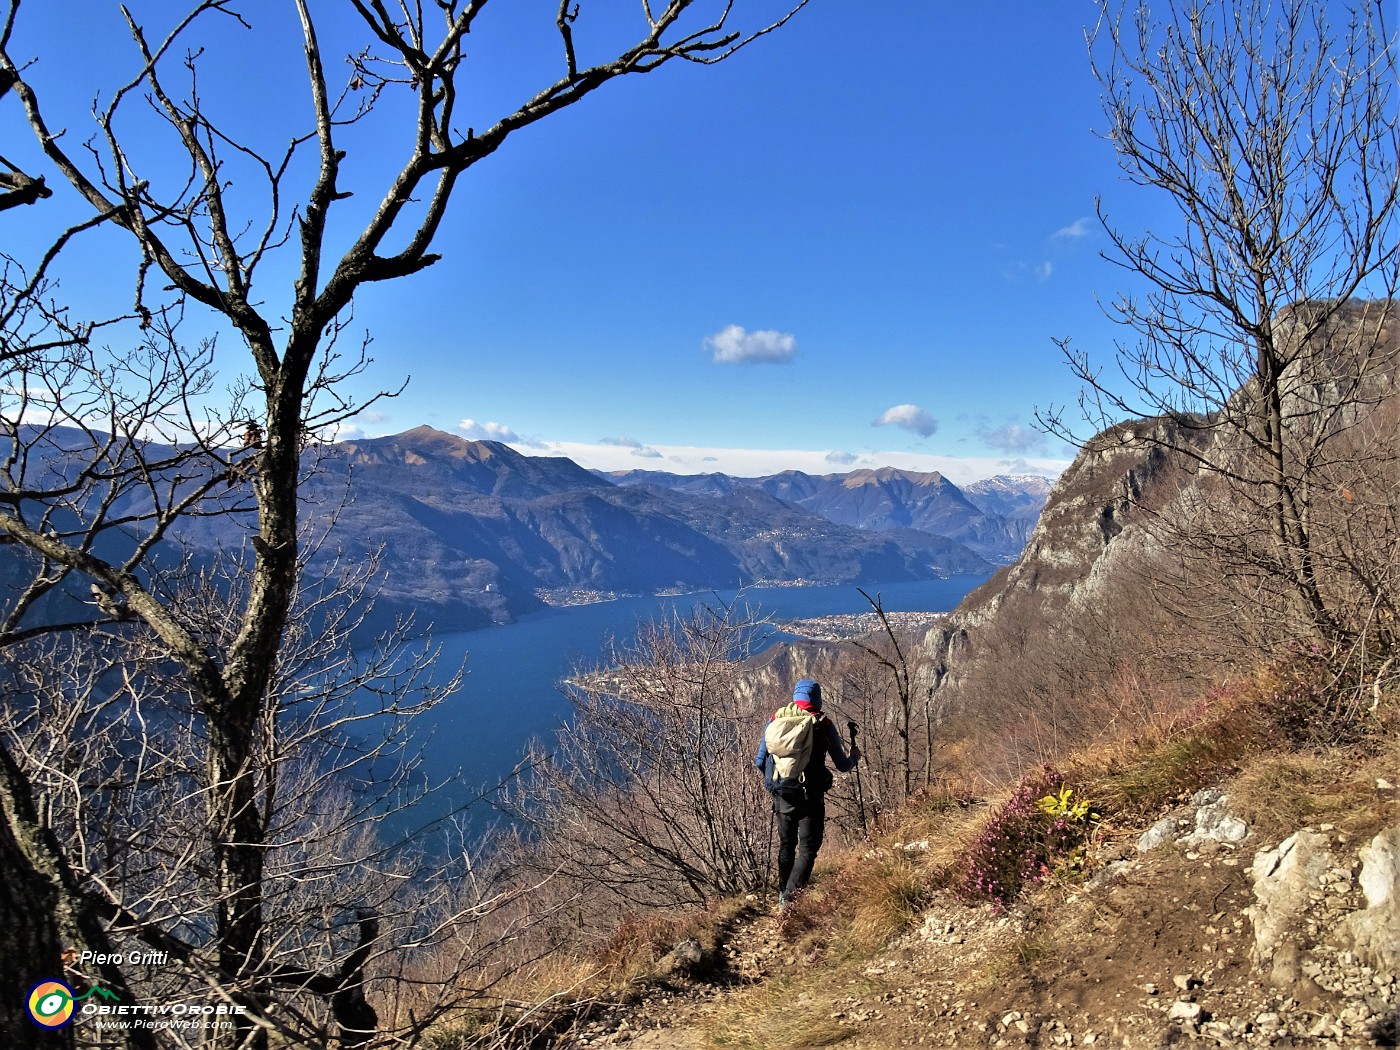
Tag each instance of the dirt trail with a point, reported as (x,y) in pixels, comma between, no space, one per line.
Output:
(1153,951)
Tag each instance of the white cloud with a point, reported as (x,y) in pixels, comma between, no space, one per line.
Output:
(1016,467)
(638,449)
(910,417)
(1080,227)
(1014,439)
(474,431)
(733,345)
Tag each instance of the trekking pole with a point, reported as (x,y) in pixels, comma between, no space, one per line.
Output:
(769,873)
(860,794)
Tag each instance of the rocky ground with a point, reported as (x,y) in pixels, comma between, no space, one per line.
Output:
(1196,930)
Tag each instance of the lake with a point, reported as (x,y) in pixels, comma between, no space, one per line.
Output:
(511,690)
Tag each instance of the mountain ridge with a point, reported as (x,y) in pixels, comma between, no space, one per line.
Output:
(993,517)
(468,533)
(473,532)
(487,467)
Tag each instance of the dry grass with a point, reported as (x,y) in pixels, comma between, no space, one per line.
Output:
(872,891)
(1281,793)
(1151,751)
(1136,768)
(888,894)
(631,955)
(948,832)
(875,891)
(561,989)
(782,1014)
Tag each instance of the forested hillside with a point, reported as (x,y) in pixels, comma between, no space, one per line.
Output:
(475,531)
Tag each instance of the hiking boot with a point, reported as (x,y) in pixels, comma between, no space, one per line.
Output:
(783,901)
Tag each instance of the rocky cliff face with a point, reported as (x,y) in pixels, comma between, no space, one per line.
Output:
(1073,610)
(1139,545)
(1090,542)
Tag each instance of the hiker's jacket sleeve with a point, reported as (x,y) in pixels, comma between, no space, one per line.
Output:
(761,759)
(842,761)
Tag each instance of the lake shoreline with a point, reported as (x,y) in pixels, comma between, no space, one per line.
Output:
(574,597)
(842,627)
(511,693)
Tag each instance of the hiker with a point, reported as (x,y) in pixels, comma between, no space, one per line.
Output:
(792,758)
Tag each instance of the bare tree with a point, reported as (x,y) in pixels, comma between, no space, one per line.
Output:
(866,694)
(372,938)
(208,233)
(17,188)
(1266,322)
(109,737)
(898,665)
(649,796)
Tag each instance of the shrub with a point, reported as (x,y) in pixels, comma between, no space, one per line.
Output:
(1315,703)
(1041,830)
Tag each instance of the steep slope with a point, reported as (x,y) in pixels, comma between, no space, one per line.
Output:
(1174,943)
(1010,641)
(1081,612)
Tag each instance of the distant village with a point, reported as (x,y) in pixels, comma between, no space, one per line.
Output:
(568,596)
(838,627)
(842,626)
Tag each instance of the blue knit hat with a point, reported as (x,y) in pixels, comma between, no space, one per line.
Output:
(809,691)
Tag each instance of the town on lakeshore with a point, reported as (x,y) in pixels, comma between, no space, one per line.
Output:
(840,627)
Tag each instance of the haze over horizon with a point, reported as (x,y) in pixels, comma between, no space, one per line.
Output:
(612,456)
(738,462)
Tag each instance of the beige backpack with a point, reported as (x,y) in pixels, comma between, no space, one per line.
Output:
(789,740)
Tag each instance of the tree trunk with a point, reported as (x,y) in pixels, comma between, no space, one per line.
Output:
(235,826)
(31,946)
(42,913)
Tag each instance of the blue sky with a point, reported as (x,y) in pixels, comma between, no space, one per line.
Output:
(851,245)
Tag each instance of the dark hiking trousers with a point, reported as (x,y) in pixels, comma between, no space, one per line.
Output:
(800,824)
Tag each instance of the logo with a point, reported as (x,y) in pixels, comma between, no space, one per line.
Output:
(51,1003)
